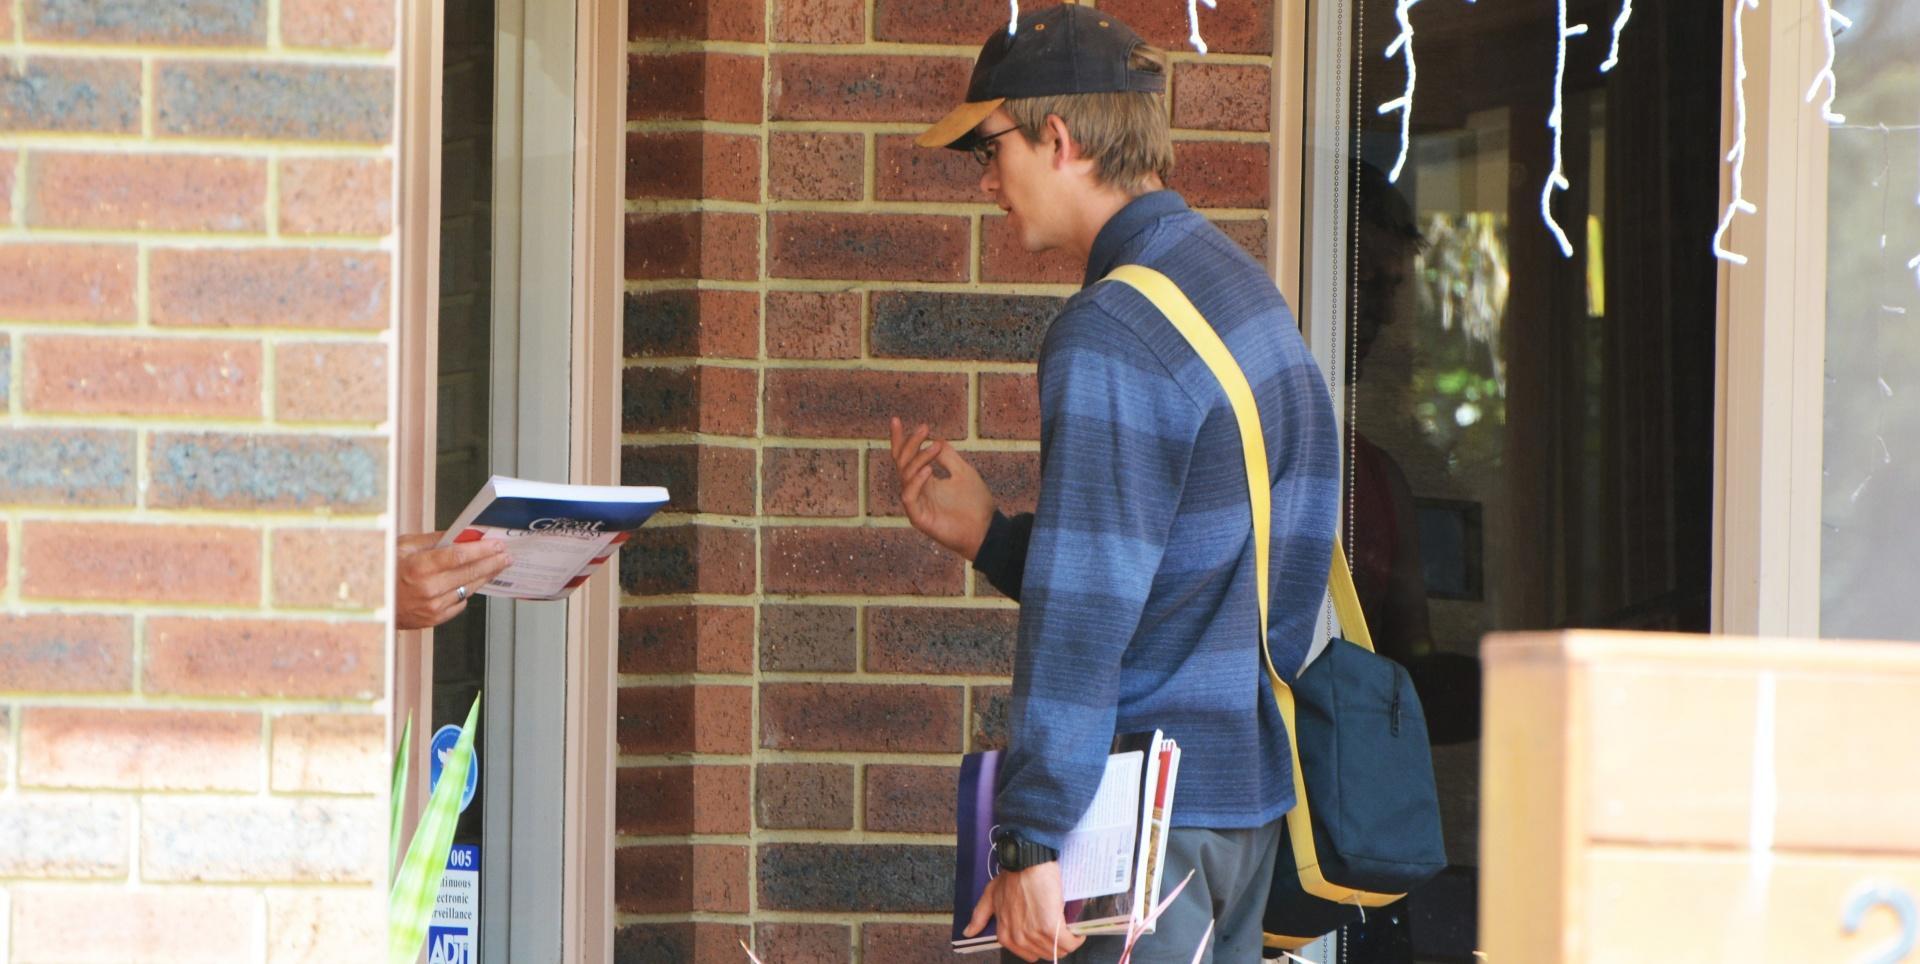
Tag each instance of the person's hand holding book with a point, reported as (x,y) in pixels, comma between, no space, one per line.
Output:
(955,510)
(431,586)
(1031,914)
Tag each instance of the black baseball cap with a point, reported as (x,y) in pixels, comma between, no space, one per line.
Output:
(1062,49)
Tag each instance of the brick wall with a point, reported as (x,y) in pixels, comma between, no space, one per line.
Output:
(800,669)
(196,290)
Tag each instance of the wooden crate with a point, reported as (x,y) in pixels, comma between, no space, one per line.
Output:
(1653,798)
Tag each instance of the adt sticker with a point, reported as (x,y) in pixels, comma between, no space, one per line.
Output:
(444,740)
(456,912)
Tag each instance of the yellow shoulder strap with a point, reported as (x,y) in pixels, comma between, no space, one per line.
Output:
(1167,297)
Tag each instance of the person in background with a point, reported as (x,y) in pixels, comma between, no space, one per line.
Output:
(1136,575)
(431,586)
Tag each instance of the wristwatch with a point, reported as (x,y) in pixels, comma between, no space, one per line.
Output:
(1013,853)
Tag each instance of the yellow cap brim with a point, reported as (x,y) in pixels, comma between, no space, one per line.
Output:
(958,123)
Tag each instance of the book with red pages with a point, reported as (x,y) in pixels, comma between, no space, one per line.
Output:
(556,535)
(1112,861)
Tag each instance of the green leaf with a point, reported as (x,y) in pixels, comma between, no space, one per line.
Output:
(400,763)
(417,885)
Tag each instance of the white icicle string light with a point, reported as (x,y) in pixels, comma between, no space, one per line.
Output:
(1826,72)
(1619,24)
(1193,21)
(1403,45)
(1013,20)
(1737,157)
(1557,178)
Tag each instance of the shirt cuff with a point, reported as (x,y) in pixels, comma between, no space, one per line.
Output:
(1001,557)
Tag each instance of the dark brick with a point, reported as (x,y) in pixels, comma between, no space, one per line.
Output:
(678,878)
(804,796)
(200,23)
(911,799)
(1221,174)
(65,466)
(878,562)
(813,324)
(688,558)
(685,719)
(71,94)
(1242,27)
(695,86)
(1225,97)
(808,639)
(700,398)
(812,482)
(1250,234)
(810,166)
(904,171)
(862,247)
(693,164)
(820,21)
(803,943)
(699,478)
(1012,477)
(223,471)
(679,800)
(967,642)
(1009,406)
(839,403)
(939,21)
(960,326)
(856,878)
(690,323)
(1003,258)
(702,942)
(866,87)
(860,717)
(988,728)
(281,102)
(693,244)
(905,943)
(686,639)
(696,20)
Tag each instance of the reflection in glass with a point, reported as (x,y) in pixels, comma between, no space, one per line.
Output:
(1870,536)
(1530,435)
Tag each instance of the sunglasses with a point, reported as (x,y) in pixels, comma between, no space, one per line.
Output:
(983,149)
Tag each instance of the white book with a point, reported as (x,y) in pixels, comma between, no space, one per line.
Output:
(556,535)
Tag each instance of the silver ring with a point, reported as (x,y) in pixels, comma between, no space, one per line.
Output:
(460,591)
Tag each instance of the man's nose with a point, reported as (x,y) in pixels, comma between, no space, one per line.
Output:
(989,181)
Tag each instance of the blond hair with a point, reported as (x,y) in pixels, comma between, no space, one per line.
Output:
(1124,133)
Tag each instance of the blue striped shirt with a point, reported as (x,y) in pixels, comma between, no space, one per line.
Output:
(1136,575)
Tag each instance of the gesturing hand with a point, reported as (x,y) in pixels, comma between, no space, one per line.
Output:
(954,510)
(1032,921)
(427,581)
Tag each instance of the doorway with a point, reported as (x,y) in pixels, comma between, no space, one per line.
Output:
(1528,427)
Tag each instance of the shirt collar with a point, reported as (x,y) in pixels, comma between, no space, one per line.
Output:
(1124,226)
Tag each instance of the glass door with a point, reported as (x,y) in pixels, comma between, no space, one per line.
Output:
(1528,423)
(506,330)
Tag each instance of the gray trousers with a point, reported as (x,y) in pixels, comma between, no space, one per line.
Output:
(1233,870)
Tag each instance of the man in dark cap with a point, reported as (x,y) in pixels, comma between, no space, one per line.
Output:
(1136,576)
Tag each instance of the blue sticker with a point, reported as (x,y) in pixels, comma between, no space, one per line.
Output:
(444,740)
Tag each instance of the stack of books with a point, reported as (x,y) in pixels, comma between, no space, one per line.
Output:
(1113,859)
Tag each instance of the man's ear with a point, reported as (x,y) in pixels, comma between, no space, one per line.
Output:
(1065,148)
